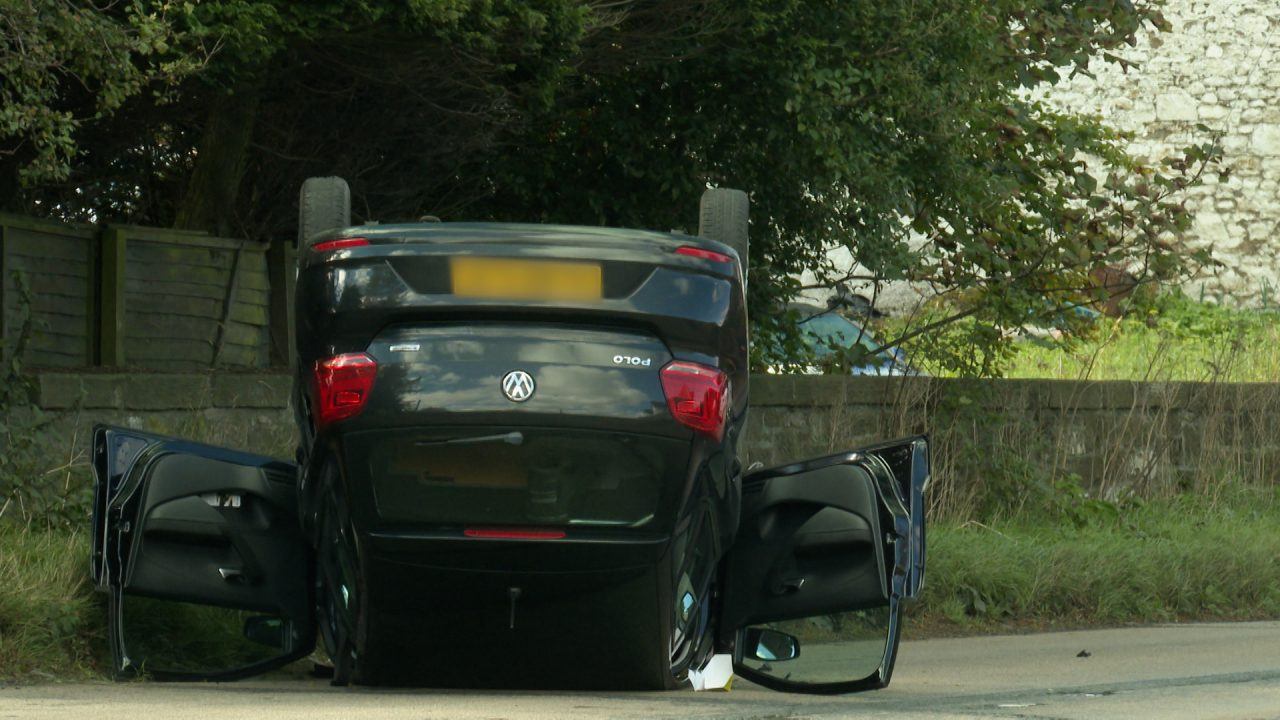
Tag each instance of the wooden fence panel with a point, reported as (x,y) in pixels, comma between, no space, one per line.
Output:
(56,261)
(134,296)
(194,301)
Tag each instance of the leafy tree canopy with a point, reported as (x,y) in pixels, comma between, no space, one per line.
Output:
(64,63)
(909,132)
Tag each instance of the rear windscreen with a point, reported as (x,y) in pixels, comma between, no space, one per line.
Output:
(527,477)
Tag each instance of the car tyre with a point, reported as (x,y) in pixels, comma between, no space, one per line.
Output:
(344,619)
(723,217)
(324,203)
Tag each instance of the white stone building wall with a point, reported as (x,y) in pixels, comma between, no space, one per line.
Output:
(1220,67)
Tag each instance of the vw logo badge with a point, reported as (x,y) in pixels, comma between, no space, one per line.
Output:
(517,385)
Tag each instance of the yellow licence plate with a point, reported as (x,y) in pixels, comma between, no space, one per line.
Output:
(484,277)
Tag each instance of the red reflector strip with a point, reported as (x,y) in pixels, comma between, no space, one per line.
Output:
(513,534)
(339,244)
(348,397)
(712,255)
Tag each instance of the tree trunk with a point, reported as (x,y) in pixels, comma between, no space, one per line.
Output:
(209,202)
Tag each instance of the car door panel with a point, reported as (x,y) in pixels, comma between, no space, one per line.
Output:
(784,555)
(210,530)
(827,551)
(202,527)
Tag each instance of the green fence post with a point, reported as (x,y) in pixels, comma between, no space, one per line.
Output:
(111,298)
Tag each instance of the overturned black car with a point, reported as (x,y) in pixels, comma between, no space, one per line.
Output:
(518,467)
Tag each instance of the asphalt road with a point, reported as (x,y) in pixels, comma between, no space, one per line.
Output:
(1167,672)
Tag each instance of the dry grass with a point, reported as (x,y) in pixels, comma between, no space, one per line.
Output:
(1029,449)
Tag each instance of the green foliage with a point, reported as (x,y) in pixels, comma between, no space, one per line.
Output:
(50,622)
(1186,558)
(954,346)
(65,62)
(907,132)
(915,148)
(1007,466)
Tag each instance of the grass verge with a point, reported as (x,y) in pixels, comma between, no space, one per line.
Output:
(1183,559)
(1184,341)
(1187,558)
(52,626)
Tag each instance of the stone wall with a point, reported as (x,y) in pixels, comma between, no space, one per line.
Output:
(1003,442)
(1219,68)
(1000,444)
(246,411)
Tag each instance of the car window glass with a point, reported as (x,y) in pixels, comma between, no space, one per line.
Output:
(555,478)
(828,329)
(166,636)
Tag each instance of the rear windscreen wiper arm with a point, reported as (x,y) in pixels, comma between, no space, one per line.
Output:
(511,438)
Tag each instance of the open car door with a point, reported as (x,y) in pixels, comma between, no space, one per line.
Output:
(827,552)
(199,548)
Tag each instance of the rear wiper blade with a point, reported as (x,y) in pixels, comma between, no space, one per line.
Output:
(511,438)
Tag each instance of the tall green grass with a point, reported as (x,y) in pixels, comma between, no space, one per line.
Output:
(1179,340)
(1186,558)
(51,624)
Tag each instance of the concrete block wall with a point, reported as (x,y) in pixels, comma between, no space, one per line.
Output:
(247,411)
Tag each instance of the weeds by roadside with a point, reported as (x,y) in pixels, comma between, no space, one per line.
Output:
(35,489)
(51,623)
(1180,559)
(1180,340)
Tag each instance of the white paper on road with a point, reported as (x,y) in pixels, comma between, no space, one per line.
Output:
(717,674)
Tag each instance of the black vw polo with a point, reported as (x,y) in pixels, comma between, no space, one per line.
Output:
(518,466)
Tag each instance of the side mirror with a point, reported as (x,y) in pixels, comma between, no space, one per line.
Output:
(769,645)
(266,630)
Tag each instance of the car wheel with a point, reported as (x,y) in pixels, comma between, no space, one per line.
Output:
(324,203)
(342,606)
(701,643)
(723,217)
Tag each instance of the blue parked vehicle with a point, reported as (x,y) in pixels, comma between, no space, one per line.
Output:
(826,332)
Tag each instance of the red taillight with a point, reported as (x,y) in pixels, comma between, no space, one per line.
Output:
(513,534)
(339,244)
(342,385)
(712,255)
(697,395)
